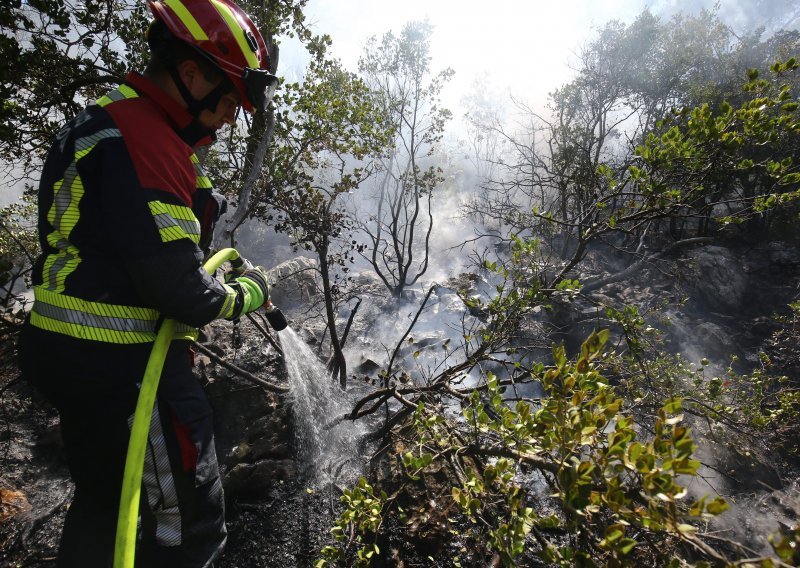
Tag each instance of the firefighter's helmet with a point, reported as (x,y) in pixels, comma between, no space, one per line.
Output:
(227,36)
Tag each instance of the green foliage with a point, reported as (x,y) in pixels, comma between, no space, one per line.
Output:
(745,411)
(612,486)
(56,57)
(356,528)
(786,545)
(322,124)
(18,247)
(605,478)
(685,160)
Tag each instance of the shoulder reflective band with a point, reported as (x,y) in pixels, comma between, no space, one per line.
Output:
(175,222)
(202,179)
(120,93)
(109,323)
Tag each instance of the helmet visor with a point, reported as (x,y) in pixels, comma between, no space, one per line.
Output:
(260,85)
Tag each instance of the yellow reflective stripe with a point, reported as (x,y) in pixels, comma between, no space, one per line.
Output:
(226,312)
(110,323)
(188,20)
(128,91)
(203,182)
(86,332)
(120,93)
(64,213)
(63,216)
(84,319)
(98,321)
(57,266)
(102,309)
(238,33)
(175,222)
(67,192)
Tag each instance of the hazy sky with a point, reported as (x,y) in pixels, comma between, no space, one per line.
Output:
(506,45)
(519,47)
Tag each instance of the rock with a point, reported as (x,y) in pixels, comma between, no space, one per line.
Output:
(714,342)
(413,296)
(367,278)
(254,480)
(426,339)
(294,280)
(367,367)
(451,303)
(272,447)
(763,326)
(716,277)
(783,254)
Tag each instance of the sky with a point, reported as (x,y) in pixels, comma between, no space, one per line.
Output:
(523,48)
(501,47)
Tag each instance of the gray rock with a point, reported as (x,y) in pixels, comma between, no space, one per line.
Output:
(716,278)
(783,254)
(714,342)
(367,367)
(294,280)
(451,303)
(254,480)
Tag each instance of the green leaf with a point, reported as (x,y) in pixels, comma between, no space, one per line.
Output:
(626,545)
(672,405)
(717,506)
(687,529)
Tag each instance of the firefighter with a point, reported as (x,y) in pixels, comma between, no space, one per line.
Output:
(126,216)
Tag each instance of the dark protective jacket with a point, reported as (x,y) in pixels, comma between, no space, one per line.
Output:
(125,211)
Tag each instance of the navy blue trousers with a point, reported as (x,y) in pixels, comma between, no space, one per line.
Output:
(94,386)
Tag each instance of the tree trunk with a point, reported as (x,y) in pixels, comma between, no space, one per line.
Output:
(258,141)
(337,365)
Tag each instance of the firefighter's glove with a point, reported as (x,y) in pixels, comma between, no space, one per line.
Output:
(253,288)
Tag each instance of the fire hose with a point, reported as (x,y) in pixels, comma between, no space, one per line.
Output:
(125,543)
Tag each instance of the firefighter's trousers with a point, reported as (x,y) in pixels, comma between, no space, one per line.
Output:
(94,386)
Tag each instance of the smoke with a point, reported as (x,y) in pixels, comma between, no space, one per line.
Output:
(744,16)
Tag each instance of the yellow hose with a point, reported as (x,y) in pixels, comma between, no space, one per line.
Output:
(125,544)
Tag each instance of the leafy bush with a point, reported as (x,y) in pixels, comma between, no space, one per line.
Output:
(616,493)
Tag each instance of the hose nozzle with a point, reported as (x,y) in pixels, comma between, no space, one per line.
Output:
(275,317)
(239,265)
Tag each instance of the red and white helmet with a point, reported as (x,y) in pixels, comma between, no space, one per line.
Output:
(228,37)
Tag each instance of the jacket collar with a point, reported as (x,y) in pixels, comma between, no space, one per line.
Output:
(187,127)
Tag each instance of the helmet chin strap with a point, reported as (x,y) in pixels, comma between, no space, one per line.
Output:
(195,106)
